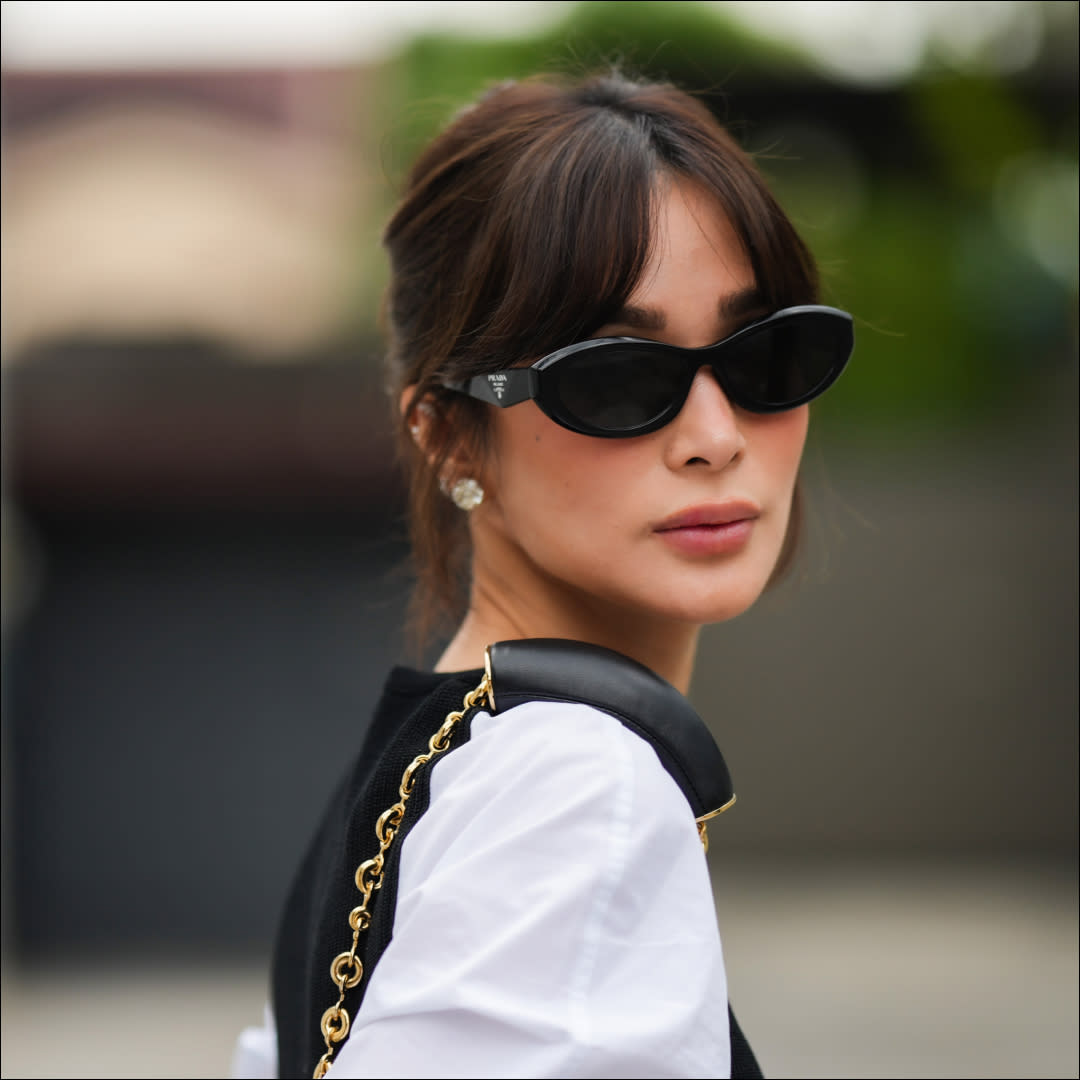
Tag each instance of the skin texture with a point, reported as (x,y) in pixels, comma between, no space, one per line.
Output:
(566,542)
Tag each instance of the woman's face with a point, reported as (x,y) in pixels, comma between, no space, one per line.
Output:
(685,523)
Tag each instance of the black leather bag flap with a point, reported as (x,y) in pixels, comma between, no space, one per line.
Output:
(553,669)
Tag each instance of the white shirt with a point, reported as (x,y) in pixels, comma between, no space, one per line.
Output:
(554,918)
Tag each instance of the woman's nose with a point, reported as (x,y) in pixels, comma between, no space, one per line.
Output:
(707,431)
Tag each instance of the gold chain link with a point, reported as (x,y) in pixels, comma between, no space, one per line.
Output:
(703,822)
(347,970)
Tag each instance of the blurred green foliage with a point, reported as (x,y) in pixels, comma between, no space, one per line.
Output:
(943,209)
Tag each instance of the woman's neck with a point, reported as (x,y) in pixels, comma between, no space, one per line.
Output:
(495,614)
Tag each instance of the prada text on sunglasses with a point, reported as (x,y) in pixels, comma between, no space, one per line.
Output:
(616,388)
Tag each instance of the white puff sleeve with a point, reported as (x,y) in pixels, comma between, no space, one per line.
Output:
(554,916)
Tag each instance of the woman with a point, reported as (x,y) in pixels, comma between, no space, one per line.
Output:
(549,901)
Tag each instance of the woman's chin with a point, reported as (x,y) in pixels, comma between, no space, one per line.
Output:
(704,609)
(707,615)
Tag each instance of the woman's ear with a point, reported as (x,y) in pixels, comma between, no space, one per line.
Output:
(444,448)
(432,430)
(420,417)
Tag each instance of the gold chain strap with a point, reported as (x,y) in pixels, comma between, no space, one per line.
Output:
(703,822)
(347,969)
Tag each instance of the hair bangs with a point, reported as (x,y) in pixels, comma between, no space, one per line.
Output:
(552,274)
(692,145)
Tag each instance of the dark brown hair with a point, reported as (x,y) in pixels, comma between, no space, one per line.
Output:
(525,226)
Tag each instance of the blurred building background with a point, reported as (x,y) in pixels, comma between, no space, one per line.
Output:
(203,562)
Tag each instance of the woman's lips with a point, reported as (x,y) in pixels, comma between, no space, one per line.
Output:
(715,529)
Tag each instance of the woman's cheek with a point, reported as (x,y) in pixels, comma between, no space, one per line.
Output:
(777,440)
(564,499)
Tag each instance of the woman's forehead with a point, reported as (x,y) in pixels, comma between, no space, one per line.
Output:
(695,256)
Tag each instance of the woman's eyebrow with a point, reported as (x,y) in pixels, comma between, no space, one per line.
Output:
(744,302)
(733,306)
(639,318)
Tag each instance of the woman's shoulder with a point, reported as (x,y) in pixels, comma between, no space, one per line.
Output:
(543,753)
(564,731)
(551,731)
(561,790)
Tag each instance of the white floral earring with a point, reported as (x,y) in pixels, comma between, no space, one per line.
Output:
(466,494)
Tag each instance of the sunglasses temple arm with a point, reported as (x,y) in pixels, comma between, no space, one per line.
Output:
(504,388)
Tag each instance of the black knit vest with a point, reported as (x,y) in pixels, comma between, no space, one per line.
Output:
(314,927)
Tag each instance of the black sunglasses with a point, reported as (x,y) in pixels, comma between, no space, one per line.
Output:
(617,388)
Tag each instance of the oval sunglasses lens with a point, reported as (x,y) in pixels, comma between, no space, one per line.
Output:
(617,389)
(786,363)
